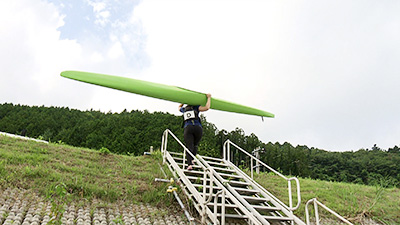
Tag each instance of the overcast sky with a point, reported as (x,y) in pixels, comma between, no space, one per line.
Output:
(328,70)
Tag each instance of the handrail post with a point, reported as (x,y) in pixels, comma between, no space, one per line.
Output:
(162,142)
(307,214)
(223,208)
(164,145)
(251,165)
(203,204)
(316,212)
(224,151)
(221,192)
(229,151)
(184,158)
(290,194)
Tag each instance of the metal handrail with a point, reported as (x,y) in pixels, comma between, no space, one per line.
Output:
(164,142)
(316,203)
(227,153)
(213,179)
(222,193)
(254,213)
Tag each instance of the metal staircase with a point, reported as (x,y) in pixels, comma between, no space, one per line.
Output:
(221,192)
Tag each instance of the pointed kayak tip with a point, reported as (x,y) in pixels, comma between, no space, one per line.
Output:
(67,73)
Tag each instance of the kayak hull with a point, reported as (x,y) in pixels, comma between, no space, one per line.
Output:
(161,91)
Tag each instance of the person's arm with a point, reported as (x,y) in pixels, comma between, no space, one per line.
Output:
(208,104)
(180,107)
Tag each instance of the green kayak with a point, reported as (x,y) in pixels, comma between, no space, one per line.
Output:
(161,91)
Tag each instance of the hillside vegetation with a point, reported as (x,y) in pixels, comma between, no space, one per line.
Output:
(131,133)
(89,174)
(355,202)
(85,173)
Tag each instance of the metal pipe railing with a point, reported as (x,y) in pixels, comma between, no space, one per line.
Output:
(213,179)
(316,204)
(227,153)
(203,202)
(253,214)
(222,193)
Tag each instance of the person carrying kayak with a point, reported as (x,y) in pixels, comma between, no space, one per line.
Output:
(192,129)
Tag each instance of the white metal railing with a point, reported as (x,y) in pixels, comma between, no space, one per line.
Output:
(316,204)
(238,198)
(22,137)
(203,201)
(227,154)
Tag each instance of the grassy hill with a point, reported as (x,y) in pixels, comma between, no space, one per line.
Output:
(85,173)
(94,174)
(355,202)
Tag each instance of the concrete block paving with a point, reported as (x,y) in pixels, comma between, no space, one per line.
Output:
(20,207)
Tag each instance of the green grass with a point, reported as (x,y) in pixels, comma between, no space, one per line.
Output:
(85,173)
(91,174)
(353,201)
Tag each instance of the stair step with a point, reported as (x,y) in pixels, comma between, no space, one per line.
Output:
(215,168)
(274,218)
(266,208)
(278,218)
(216,163)
(257,207)
(224,169)
(252,199)
(230,175)
(233,183)
(249,199)
(233,216)
(246,190)
(237,216)
(211,158)
(239,190)
(177,159)
(176,153)
(221,174)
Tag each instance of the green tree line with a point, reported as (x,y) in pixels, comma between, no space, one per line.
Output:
(133,132)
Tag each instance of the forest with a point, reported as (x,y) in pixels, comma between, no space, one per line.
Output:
(132,133)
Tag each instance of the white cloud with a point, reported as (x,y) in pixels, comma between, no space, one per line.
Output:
(33,56)
(101,14)
(326,69)
(116,51)
(96,57)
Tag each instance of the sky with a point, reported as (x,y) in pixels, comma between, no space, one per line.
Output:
(328,70)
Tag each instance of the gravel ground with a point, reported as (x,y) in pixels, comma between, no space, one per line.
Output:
(22,207)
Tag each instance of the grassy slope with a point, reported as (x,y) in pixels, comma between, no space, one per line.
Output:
(89,174)
(86,173)
(353,201)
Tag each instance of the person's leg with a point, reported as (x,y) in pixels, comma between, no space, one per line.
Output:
(198,134)
(188,136)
